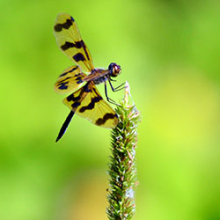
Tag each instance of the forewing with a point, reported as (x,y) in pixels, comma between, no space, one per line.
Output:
(70,42)
(88,103)
(69,80)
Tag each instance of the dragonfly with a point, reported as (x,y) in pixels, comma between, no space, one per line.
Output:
(81,78)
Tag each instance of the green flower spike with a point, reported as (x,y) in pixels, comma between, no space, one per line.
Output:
(122,169)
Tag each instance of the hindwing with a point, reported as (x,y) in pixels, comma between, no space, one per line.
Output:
(69,80)
(89,104)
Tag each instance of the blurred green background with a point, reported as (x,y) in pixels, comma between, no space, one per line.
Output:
(169,52)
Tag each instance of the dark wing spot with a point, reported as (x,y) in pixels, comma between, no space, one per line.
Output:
(79,80)
(91,105)
(77,44)
(63,81)
(77,99)
(79,57)
(86,88)
(85,50)
(67,45)
(63,74)
(73,98)
(106,117)
(75,105)
(66,25)
(63,85)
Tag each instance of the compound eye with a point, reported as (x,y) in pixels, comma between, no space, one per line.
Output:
(114,69)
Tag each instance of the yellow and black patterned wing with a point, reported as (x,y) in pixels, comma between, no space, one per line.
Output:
(88,103)
(69,80)
(70,42)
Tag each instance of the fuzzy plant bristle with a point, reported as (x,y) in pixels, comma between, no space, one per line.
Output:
(122,169)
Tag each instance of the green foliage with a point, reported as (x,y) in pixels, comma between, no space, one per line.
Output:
(122,168)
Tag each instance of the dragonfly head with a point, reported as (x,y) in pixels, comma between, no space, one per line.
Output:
(114,69)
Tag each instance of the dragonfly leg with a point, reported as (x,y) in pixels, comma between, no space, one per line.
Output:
(118,88)
(109,99)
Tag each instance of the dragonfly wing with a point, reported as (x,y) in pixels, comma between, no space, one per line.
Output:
(70,42)
(69,80)
(88,103)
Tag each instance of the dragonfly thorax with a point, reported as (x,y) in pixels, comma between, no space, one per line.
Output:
(100,79)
